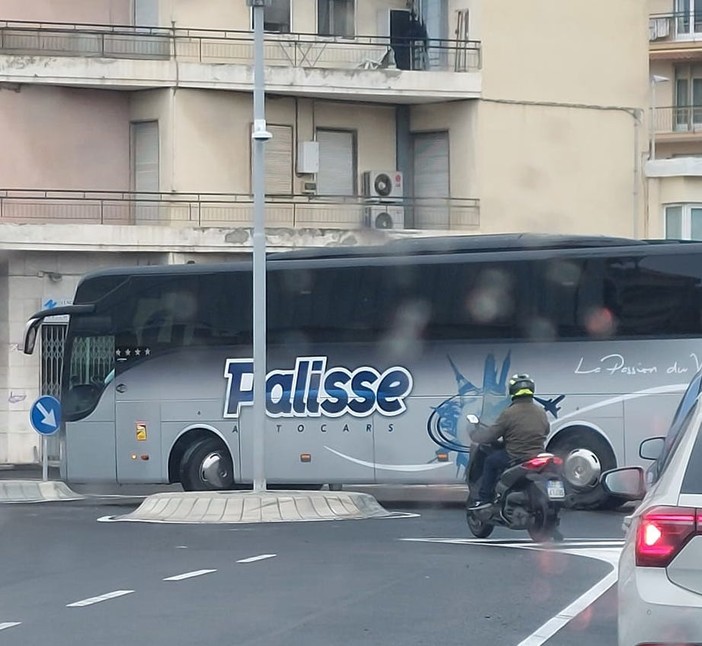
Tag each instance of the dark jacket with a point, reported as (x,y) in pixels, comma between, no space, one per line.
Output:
(523,426)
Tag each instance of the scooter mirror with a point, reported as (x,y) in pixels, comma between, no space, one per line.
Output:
(473,419)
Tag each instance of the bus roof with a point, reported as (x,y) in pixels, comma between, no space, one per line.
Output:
(407,247)
(470,243)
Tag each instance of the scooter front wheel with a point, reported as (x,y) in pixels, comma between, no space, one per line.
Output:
(479,528)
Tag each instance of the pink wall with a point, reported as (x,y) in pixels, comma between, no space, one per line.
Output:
(64,138)
(91,11)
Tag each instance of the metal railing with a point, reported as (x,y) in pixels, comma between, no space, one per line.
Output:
(678,119)
(671,26)
(224,46)
(225,211)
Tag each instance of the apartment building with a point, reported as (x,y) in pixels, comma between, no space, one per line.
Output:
(674,170)
(126,136)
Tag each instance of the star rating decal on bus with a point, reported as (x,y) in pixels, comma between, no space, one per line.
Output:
(126,353)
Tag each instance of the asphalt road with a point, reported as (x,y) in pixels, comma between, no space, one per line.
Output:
(68,579)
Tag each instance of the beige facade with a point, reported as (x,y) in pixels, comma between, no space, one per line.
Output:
(674,204)
(126,132)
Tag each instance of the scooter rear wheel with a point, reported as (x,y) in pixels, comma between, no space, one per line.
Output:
(479,528)
(544,529)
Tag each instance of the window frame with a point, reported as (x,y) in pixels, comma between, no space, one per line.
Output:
(354,26)
(686,219)
(274,31)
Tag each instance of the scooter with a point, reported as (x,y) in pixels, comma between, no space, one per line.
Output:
(529,495)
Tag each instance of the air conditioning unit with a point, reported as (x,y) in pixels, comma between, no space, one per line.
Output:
(386,216)
(382,185)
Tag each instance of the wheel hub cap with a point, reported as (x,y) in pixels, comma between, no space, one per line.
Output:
(582,468)
(214,471)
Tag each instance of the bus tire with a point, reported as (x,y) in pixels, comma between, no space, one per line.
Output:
(207,466)
(592,496)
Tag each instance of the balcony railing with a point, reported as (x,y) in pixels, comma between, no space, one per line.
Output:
(678,119)
(222,210)
(236,47)
(674,26)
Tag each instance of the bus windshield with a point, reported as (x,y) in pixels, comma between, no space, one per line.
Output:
(91,362)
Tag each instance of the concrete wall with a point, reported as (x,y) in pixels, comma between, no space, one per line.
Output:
(225,14)
(85,11)
(212,141)
(557,170)
(64,138)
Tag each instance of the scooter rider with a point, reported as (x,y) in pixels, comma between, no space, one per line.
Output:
(523,426)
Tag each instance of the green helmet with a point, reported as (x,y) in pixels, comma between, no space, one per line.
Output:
(521,386)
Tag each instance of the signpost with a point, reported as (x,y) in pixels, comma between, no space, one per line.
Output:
(45,418)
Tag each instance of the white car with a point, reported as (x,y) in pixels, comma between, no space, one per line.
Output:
(660,569)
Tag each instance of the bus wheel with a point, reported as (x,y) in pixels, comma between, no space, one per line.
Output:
(207,466)
(586,456)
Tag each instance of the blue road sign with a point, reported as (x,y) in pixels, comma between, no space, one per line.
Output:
(45,415)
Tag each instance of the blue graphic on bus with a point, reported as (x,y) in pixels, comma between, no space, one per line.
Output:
(486,402)
(312,390)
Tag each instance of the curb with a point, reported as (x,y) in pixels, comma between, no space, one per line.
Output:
(21,491)
(259,507)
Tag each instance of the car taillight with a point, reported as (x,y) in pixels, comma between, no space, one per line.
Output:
(662,532)
(540,461)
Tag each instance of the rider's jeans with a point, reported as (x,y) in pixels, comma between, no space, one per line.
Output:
(494,465)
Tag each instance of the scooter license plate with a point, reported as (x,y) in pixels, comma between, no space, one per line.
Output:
(556,490)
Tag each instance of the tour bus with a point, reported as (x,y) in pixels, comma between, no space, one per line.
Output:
(376,355)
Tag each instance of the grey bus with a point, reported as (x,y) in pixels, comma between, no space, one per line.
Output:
(376,355)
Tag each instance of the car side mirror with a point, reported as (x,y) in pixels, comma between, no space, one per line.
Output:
(628,483)
(473,419)
(652,448)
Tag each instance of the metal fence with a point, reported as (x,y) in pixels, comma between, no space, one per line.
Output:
(226,211)
(678,119)
(224,46)
(52,343)
(670,26)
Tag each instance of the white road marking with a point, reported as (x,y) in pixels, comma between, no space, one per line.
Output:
(261,557)
(102,597)
(9,624)
(188,575)
(552,626)
(606,550)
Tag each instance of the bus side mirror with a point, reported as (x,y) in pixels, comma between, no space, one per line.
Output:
(30,335)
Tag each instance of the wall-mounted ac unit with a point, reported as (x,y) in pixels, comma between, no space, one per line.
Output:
(385,216)
(383,185)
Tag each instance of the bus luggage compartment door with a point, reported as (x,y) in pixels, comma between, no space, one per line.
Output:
(138,441)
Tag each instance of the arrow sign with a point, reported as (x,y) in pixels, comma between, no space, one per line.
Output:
(45,415)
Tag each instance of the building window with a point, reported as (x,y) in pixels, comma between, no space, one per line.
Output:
(336,18)
(688,97)
(337,162)
(683,222)
(688,15)
(276,17)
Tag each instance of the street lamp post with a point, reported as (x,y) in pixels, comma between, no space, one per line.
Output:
(260,137)
(655,80)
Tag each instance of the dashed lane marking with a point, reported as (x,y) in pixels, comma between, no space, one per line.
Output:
(103,597)
(188,575)
(261,557)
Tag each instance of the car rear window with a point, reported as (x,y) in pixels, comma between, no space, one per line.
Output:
(692,482)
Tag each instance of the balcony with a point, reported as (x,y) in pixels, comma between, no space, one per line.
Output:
(300,64)
(678,123)
(675,36)
(193,210)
